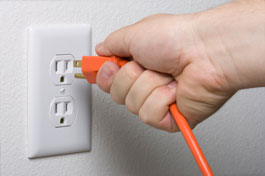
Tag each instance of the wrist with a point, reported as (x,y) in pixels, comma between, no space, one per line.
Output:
(234,39)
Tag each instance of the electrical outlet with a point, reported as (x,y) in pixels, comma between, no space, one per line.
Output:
(59,119)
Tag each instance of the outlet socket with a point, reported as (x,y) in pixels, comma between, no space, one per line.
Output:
(63,111)
(61,69)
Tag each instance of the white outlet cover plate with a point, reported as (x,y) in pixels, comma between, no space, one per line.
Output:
(44,137)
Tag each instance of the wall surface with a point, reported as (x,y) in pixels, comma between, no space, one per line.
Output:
(233,139)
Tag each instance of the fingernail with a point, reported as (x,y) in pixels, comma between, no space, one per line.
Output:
(99,45)
(106,72)
(172,85)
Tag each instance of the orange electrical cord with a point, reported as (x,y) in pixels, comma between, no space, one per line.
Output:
(90,66)
(191,140)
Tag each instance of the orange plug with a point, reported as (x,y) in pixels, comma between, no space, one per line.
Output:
(90,66)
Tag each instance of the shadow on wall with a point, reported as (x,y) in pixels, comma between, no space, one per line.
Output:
(134,148)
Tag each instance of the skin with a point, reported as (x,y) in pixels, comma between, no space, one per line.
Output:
(196,60)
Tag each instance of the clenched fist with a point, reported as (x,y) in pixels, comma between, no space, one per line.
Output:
(197,60)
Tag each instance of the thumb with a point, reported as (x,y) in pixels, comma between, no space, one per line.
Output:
(116,44)
(105,75)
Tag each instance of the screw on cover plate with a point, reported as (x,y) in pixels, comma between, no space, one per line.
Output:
(62,90)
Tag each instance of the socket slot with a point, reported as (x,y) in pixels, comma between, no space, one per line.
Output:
(67,66)
(62,79)
(62,121)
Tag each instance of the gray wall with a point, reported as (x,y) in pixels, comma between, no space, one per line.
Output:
(233,139)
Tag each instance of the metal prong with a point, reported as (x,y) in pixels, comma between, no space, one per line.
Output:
(77,63)
(80,75)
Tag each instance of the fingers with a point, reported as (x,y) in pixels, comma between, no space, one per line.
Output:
(143,87)
(117,43)
(155,110)
(105,75)
(123,81)
(145,93)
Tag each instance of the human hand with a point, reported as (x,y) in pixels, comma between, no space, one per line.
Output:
(174,60)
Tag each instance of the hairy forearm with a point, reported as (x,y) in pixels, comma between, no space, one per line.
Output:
(234,38)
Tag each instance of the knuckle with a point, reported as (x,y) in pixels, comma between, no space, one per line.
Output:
(116,98)
(130,106)
(144,117)
(156,77)
(163,95)
(116,91)
(132,70)
(160,91)
(150,75)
